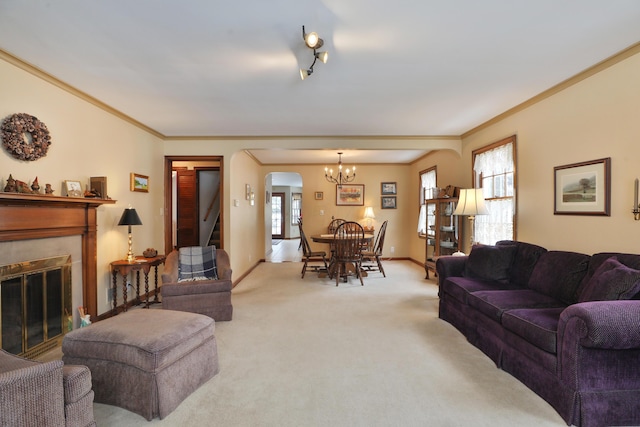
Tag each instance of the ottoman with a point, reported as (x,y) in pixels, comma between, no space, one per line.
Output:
(145,361)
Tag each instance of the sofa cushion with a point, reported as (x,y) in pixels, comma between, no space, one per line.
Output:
(490,262)
(558,274)
(495,303)
(461,287)
(524,261)
(611,281)
(197,263)
(539,326)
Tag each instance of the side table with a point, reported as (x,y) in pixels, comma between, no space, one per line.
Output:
(124,268)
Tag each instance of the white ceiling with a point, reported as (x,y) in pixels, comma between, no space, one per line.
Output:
(230,68)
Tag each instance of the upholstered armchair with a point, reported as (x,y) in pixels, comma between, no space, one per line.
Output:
(44,394)
(211,297)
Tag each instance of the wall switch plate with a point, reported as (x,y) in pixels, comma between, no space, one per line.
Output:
(236,202)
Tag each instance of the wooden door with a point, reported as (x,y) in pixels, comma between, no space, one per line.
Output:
(277,215)
(187,208)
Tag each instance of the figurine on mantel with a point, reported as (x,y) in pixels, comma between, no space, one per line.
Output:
(11,185)
(48,189)
(35,186)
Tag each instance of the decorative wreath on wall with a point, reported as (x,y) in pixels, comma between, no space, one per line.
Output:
(17,143)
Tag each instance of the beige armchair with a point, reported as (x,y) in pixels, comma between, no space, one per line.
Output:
(209,297)
(44,394)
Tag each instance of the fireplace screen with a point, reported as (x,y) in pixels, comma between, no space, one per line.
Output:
(35,305)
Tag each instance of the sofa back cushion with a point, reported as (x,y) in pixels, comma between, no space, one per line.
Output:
(490,262)
(524,261)
(611,281)
(558,274)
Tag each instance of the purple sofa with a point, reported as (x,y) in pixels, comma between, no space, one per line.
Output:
(565,324)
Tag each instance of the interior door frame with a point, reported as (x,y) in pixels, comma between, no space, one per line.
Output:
(283,215)
(168,167)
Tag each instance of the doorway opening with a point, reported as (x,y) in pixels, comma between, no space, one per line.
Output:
(283,209)
(194,202)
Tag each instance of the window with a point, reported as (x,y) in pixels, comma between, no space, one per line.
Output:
(296,208)
(494,170)
(427,184)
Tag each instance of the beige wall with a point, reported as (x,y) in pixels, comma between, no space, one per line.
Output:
(596,118)
(400,219)
(87,141)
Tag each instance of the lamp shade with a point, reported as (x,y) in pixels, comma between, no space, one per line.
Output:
(130,217)
(368,212)
(471,203)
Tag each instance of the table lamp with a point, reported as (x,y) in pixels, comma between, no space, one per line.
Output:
(471,203)
(369,215)
(130,217)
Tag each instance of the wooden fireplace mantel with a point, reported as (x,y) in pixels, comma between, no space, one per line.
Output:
(39,216)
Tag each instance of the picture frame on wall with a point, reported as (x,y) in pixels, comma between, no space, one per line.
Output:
(388,202)
(318,195)
(583,188)
(350,195)
(388,188)
(139,182)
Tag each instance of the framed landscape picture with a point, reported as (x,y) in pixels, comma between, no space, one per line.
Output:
(139,183)
(388,202)
(583,188)
(388,188)
(350,195)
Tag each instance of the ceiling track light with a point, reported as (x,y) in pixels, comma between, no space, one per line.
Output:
(313,41)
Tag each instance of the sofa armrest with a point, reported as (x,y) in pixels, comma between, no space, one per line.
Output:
(599,346)
(450,266)
(609,325)
(32,394)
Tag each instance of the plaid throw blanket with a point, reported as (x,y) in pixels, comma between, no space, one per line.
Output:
(197,263)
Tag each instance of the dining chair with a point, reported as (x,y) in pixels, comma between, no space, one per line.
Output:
(333,225)
(348,239)
(372,259)
(308,255)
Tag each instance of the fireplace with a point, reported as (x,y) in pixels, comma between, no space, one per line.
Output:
(35,305)
(29,223)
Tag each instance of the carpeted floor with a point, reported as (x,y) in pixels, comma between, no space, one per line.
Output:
(303,352)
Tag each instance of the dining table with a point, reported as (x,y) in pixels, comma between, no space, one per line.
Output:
(330,239)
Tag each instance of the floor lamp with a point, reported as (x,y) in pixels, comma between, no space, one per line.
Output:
(471,203)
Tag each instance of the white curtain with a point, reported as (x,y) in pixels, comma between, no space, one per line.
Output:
(427,182)
(499,192)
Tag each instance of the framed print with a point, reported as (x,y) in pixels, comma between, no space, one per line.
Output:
(388,188)
(583,188)
(318,195)
(72,188)
(350,195)
(139,183)
(388,202)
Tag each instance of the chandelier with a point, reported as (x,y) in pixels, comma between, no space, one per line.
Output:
(340,178)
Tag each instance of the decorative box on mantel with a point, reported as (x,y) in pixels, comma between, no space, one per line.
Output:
(39,216)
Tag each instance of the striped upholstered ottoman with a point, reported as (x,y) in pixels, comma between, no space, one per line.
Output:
(146,361)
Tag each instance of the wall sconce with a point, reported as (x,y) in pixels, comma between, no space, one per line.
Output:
(636,206)
(313,41)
